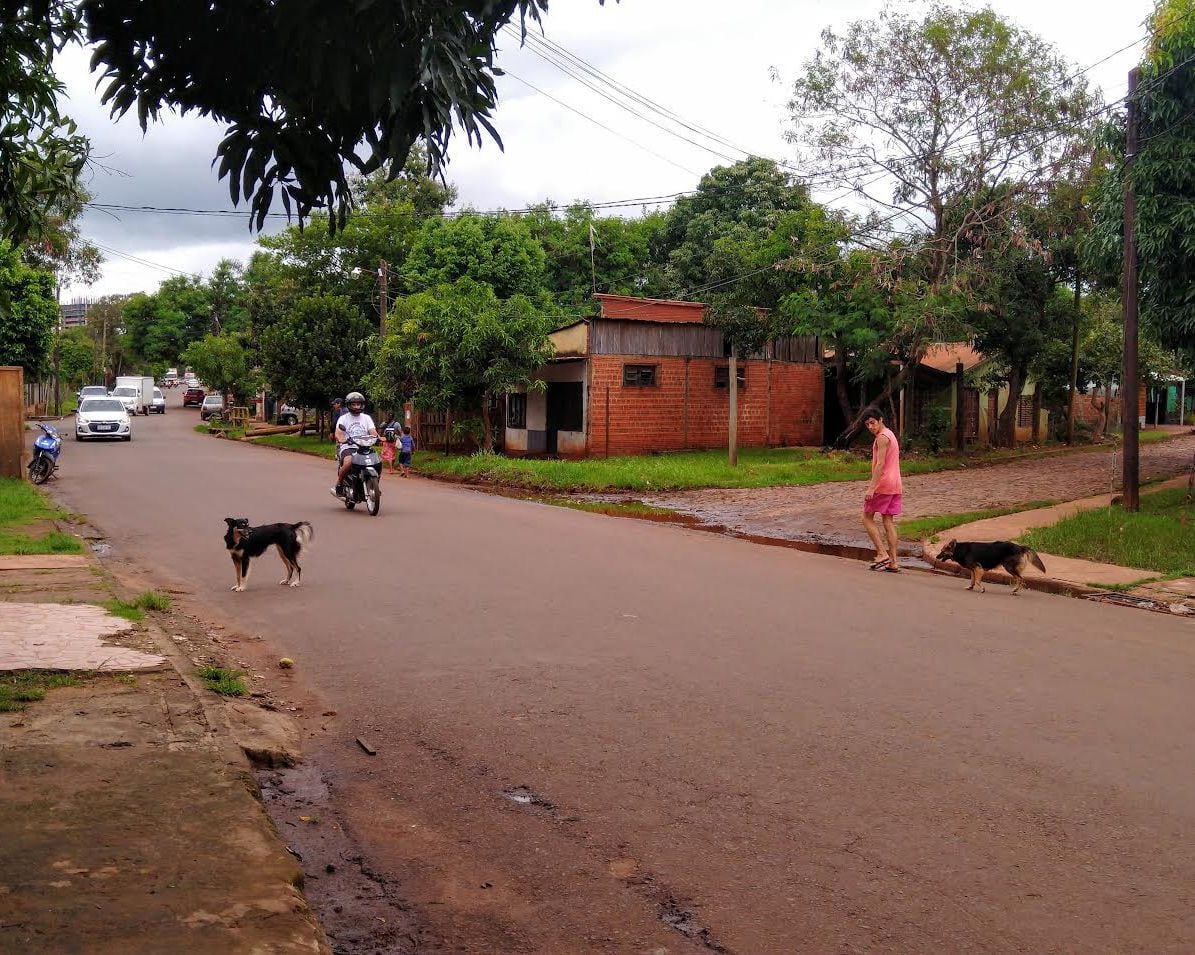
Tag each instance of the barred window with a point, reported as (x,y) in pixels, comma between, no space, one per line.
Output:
(1025,411)
(638,376)
(722,376)
(516,411)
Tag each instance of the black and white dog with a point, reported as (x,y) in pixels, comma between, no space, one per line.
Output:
(245,542)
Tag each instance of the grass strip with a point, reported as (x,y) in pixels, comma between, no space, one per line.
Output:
(20,687)
(1159,537)
(922,528)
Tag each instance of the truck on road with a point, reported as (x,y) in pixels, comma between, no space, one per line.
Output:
(143,386)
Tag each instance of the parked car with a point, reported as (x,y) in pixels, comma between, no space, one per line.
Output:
(288,414)
(212,405)
(193,396)
(159,402)
(92,391)
(193,383)
(103,418)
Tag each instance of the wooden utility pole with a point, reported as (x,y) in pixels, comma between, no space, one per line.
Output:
(960,412)
(384,287)
(1074,382)
(1131,492)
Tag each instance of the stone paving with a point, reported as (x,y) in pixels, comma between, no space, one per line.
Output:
(830,512)
(50,636)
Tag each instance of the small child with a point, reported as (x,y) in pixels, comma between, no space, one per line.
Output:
(389,442)
(406,448)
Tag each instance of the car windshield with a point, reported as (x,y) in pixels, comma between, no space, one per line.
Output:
(213,400)
(158,394)
(123,392)
(92,405)
(94,390)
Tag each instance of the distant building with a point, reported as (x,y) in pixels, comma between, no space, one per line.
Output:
(74,314)
(649,375)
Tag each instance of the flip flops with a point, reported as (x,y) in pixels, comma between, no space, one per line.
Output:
(881,563)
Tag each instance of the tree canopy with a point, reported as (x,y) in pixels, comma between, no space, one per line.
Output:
(29,314)
(308,90)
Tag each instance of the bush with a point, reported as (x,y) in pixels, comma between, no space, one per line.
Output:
(934,435)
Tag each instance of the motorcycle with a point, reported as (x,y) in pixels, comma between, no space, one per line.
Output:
(363,485)
(46,449)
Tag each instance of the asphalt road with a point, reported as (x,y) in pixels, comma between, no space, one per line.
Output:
(735,747)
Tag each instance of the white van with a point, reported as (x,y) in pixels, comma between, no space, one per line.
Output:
(137,387)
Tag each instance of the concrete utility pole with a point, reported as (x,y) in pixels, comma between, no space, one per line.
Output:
(733,424)
(384,287)
(1131,478)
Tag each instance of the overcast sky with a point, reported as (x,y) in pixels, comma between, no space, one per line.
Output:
(709,61)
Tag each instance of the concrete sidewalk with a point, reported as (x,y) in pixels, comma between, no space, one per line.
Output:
(1072,573)
(128,811)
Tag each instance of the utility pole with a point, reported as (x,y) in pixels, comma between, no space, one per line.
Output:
(732,384)
(1131,495)
(384,287)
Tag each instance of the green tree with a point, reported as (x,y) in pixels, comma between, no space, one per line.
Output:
(28,314)
(224,363)
(226,295)
(1163,174)
(307,91)
(316,351)
(498,251)
(731,202)
(105,328)
(926,116)
(159,327)
(41,153)
(458,344)
(74,355)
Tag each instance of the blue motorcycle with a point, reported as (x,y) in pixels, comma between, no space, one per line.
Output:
(46,449)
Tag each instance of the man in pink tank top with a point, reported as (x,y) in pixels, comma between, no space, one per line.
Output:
(883,492)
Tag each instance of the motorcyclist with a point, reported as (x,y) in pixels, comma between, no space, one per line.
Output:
(354,423)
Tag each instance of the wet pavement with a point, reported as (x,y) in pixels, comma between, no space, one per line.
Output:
(830,513)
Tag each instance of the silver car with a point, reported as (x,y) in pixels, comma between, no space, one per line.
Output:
(159,403)
(103,418)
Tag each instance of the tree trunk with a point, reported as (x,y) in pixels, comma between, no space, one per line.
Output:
(487,437)
(1037,411)
(732,426)
(841,382)
(884,397)
(1007,431)
(1074,383)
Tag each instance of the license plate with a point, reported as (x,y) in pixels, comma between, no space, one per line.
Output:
(105,427)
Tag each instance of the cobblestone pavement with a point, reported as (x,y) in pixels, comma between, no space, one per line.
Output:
(832,511)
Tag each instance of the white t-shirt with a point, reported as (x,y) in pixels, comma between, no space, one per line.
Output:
(355,426)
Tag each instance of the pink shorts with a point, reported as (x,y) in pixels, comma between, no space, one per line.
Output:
(887,505)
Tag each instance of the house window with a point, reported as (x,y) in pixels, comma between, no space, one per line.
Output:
(638,376)
(1025,411)
(722,376)
(516,411)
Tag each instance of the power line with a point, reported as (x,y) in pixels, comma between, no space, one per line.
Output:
(138,260)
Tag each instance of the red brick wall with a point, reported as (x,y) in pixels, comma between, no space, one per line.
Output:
(660,419)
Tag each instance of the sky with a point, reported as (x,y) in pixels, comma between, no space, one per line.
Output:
(727,68)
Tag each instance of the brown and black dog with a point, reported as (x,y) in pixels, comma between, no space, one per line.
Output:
(245,542)
(978,557)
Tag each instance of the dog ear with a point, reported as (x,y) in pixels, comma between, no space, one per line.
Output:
(950,545)
(230,521)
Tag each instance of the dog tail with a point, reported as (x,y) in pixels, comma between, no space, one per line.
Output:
(1034,559)
(304,532)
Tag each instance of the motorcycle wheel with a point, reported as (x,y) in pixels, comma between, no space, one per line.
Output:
(373,496)
(39,469)
(350,498)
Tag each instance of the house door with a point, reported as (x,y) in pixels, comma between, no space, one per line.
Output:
(565,410)
(970,414)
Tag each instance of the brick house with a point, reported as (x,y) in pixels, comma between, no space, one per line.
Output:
(649,375)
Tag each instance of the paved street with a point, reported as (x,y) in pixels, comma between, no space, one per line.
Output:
(722,744)
(831,511)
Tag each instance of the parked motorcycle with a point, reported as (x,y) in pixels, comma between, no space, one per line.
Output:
(363,485)
(46,449)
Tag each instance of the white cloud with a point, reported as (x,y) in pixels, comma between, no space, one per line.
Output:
(708,61)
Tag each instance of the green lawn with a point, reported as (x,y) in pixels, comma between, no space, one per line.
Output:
(22,505)
(758,467)
(922,528)
(1155,538)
